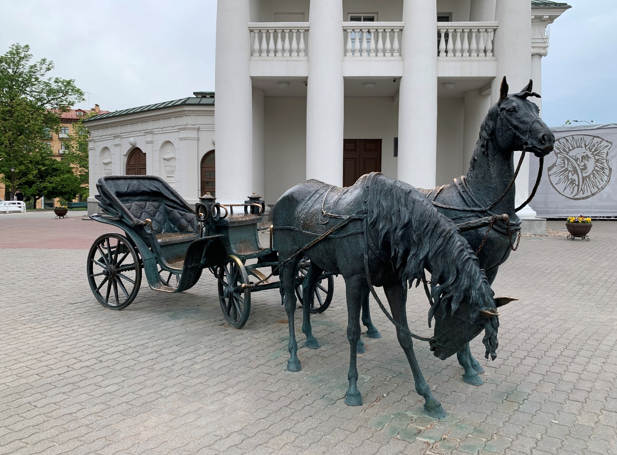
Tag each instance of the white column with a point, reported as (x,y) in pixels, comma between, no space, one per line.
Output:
(476,108)
(258,143)
(325,95)
(187,163)
(513,52)
(417,126)
(234,94)
(482,10)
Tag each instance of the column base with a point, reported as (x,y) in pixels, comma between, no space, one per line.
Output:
(533,226)
(93,206)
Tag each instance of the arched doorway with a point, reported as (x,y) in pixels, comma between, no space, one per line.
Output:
(208,174)
(136,163)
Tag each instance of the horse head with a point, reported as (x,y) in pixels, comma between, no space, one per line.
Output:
(452,331)
(518,124)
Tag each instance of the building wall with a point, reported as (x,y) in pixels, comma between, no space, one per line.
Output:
(387,11)
(374,118)
(450,127)
(284,11)
(458,8)
(285,144)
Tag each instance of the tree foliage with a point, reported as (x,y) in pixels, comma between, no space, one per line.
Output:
(30,106)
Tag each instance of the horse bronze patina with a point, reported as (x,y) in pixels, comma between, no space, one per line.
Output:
(383,232)
(488,190)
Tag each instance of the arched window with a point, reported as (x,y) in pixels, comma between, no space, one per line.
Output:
(208,179)
(136,163)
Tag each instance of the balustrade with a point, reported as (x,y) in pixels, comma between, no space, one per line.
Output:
(372,39)
(466,39)
(279,39)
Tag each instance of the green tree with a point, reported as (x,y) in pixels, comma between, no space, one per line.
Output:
(30,106)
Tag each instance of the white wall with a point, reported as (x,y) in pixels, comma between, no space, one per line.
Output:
(386,10)
(374,118)
(450,122)
(285,144)
(282,8)
(459,9)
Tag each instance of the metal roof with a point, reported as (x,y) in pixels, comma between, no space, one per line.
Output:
(548,4)
(189,101)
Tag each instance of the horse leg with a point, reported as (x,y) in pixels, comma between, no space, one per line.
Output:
(397,298)
(356,289)
(465,359)
(308,295)
(288,283)
(372,331)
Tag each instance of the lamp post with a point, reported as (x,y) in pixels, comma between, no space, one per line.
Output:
(12,183)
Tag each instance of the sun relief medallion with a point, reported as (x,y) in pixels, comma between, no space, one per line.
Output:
(581,168)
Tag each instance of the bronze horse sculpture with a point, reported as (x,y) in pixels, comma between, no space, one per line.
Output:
(512,124)
(383,232)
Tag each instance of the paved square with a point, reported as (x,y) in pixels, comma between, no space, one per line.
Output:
(167,375)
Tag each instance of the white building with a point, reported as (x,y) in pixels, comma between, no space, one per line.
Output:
(331,89)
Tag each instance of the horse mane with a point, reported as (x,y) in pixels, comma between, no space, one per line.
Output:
(486,130)
(415,236)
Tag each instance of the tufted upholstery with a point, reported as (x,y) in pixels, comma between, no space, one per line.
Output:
(165,219)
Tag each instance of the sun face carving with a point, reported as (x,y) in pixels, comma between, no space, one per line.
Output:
(581,168)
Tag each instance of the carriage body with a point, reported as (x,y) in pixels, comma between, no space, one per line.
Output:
(172,243)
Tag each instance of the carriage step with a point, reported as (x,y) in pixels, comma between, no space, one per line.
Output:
(171,238)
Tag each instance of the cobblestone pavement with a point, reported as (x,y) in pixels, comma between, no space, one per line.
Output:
(168,376)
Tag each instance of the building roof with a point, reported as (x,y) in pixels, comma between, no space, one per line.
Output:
(203,99)
(548,4)
(73,115)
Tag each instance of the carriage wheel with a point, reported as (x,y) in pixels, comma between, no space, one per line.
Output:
(169,279)
(114,271)
(234,297)
(324,290)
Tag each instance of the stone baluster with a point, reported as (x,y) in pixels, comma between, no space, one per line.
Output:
(450,47)
(473,48)
(286,45)
(264,43)
(372,47)
(388,46)
(294,43)
(380,43)
(255,37)
(465,43)
(396,49)
(364,43)
(489,43)
(348,44)
(442,43)
(301,46)
(271,44)
(481,44)
(457,44)
(279,43)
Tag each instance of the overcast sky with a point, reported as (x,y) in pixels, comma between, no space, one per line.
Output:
(128,53)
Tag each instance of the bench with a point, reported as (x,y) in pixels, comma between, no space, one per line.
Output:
(77,205)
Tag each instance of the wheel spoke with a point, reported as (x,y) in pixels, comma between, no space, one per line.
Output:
(118,243)
(126,278)
(318,295)
(108,291)
(116,292)
(109,250)
(318,285)
(119,263)
(103,255)
(122,287)
(102,283)
(103,266)
(237,305)
(92,275)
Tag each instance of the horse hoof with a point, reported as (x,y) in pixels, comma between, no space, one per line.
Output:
(353,399)
(472,380)
(312,343)
(476,366)
(435,412)
(361,349)
(293,365)
(373,333)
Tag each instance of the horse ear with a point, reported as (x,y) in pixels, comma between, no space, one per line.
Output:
(504,89)
(529,87)
(501,301)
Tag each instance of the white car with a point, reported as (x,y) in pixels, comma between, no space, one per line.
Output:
(12,206)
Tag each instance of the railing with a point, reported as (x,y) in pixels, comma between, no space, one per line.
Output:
(466,39)
(278,39)
(372,39)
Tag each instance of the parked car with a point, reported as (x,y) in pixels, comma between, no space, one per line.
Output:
(12,206)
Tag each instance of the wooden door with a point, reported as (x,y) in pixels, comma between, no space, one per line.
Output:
(208,174)
(360,156)
(136,164)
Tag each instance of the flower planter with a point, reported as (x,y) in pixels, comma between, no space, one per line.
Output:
(578,230)
(61,211)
